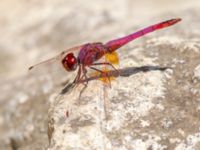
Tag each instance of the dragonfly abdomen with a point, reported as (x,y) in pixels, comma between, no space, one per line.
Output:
(117,43)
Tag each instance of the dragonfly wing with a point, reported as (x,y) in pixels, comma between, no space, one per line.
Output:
(58,57)
(73,49)
(112,58)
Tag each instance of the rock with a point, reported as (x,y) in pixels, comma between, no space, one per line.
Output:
(147,107)
(197,72)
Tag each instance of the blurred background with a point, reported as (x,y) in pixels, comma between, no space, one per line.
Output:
(34,30)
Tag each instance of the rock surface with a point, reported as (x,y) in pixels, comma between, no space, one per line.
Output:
(152,110)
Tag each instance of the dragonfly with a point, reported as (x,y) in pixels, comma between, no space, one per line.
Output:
(90,53)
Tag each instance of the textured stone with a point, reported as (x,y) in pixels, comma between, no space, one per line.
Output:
(147,108)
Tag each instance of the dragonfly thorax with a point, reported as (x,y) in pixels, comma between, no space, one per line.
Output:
(90,53)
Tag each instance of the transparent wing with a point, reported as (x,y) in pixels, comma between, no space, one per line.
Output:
(106,64)
(112,58)
(58,57)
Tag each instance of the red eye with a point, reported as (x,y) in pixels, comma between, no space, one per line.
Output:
(69,62)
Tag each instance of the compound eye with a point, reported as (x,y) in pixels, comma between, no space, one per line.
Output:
(69,62)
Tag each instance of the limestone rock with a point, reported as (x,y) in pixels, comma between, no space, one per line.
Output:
(147,107)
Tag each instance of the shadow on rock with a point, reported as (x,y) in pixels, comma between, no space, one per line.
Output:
(126,72)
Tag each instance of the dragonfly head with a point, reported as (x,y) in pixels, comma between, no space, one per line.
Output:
(70,62)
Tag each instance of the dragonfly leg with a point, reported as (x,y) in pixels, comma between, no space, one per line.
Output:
(105,95)
(77,78)
(83,77)
(103,73)
(106,63)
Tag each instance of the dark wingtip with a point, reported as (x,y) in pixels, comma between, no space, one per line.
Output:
(31,67)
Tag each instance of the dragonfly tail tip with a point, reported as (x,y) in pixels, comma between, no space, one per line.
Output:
(173,21)
(178,19)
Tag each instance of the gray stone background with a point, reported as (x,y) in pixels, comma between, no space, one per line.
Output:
(154,110)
